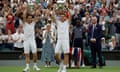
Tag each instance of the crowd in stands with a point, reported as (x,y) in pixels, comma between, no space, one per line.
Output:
(11,16)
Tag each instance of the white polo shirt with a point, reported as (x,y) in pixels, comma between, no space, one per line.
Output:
(63,30)
(29,38)
(29,33)
(62,45)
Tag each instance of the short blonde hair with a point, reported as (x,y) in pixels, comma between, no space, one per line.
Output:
(86,13)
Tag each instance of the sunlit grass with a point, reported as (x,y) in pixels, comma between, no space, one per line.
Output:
(54,69)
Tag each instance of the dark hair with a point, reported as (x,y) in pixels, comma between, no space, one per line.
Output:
(20,15)
(28,14)
(49,21)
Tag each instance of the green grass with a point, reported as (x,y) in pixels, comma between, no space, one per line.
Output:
(54,69)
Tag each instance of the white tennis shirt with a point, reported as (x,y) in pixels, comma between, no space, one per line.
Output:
(63,30)
(29,31)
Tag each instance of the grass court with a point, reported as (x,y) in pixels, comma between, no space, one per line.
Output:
(54,69)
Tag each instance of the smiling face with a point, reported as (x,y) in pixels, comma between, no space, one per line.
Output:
(62,17)
(29,18)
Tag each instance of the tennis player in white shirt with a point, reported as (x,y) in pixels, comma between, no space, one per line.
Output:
(29,40)
(62,45)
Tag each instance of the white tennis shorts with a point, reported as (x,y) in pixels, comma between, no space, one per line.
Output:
(30,46)
(62,46)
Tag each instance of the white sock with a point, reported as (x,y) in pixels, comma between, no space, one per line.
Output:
(35,64)
(72,63)
(64,67)
(27,65)
(61,64)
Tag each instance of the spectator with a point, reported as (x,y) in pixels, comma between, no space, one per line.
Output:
(75,17)
(9,40)
(71,9)
(95,13)
(18,39)
(2,24)
(44,4)
(104,44)
(14,3)
(112,43)
(117,33)
(1,5)
(97,4)
(53,29)
(47,49)
(78,36)
(39,24)
(82,10)
(38,38)
(87,18)
(109,26)
(103,10)
(1,40)
(10,23)
(94,36)
(115,3)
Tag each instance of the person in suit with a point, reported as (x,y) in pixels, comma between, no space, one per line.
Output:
(95,34)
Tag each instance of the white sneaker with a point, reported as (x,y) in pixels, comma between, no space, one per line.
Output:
(46,66)
(83,65)
(64,70)
(60,69)
(73,64)
(26,69)
(49,66)
(36,68)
